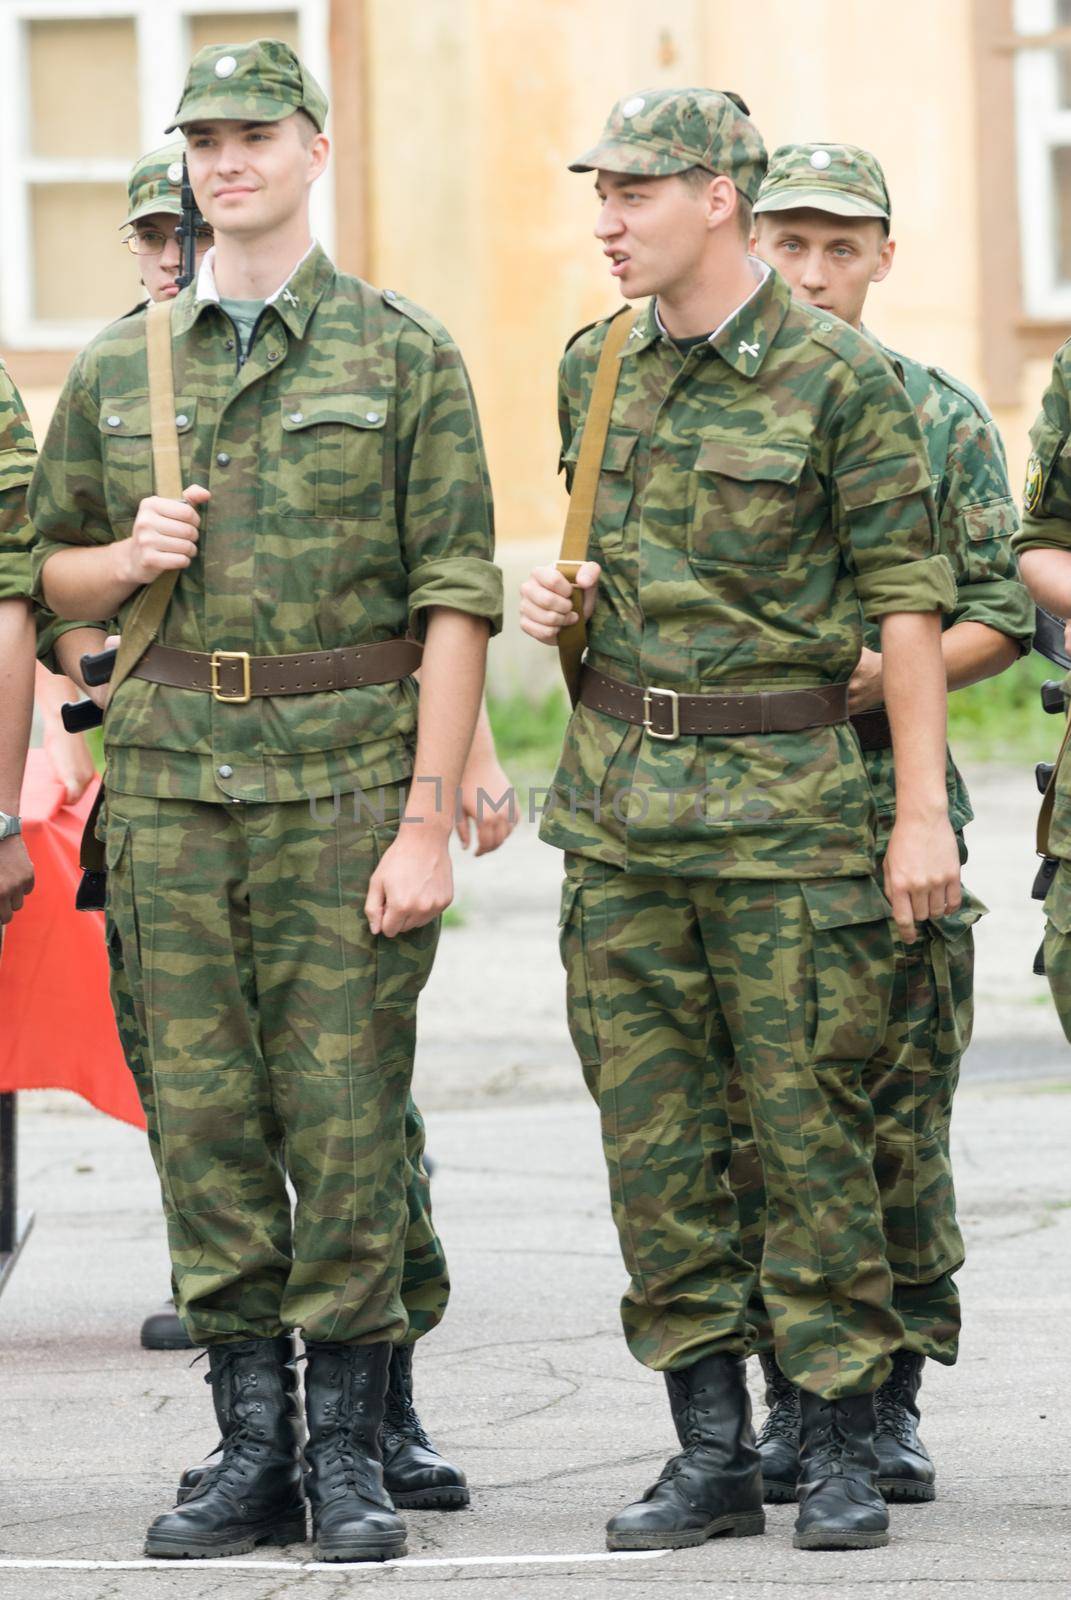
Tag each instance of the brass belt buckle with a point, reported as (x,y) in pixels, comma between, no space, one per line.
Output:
(675,722)
(217,693)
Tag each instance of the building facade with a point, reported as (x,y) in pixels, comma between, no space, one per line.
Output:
(453,121)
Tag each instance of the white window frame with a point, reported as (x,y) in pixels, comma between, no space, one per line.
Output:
(163,53)
(1041,128)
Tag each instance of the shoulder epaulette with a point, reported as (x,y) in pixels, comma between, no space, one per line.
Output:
(833,334)
(580,332)
(963,390)
(423,319)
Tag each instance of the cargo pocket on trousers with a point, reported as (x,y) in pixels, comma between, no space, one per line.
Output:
(121,924)
(123,940)
(580,1011)
(952,959)
(402,968)
(1058,901)
(852,959)
(1058,944)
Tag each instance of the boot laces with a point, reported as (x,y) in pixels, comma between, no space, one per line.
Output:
(831,1446)
(405,1428)
(351,1465)
(893,1416)
(783,1419)
(401,1423)
(242,1444)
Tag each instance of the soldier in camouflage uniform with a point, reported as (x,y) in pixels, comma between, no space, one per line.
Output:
(154,206)
(761,483)
(822,219)
(415,1473)
(16,642)
(58,644)
(275,920)
(1043,545)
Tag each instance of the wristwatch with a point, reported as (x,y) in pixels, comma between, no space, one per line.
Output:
(9,825)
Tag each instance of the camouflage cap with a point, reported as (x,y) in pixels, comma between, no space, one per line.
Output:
(662,131)
(840,178)
(155,183)
(260,81)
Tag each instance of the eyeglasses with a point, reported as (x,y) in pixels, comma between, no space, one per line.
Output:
(151,242)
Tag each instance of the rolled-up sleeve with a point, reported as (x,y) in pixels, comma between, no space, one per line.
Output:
(444,495)
(919,585)
(978,520)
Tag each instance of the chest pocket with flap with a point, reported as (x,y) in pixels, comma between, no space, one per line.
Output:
(613,498)
(744,512)
(333,456)
(126,451)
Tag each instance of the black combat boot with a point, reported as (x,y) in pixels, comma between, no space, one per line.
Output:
(192,1476)
(905,1471)
(353,1515)
(779,1441)
(715,1484)
(162,1330)
(253,1494)
(840,1505)
(415,1474)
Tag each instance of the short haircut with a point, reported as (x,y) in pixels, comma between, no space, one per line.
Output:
(696,179)
(307,129)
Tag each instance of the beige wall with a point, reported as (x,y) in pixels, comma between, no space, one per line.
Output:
(477,105)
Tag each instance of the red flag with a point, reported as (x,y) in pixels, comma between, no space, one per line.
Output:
(57,1030)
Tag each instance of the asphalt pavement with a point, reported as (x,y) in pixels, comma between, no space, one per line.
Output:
(528,1383)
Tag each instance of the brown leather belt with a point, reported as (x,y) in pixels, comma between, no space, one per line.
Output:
(666,714)
(872,729)
(234,676)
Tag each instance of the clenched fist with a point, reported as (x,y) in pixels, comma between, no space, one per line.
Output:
(164,536)
(547,600)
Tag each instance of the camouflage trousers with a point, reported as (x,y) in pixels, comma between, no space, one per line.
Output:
(1058,943)
(271,1036)
(670,982)
(911,1082)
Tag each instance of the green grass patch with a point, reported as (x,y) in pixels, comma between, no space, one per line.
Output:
(528,733)
(1002,720)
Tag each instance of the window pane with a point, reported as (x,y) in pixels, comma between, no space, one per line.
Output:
(82,271)
(1061,184)
(235,27)
(1062,19)
(84,89)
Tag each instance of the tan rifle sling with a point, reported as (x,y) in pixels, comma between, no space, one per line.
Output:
(149,609)
(572,640)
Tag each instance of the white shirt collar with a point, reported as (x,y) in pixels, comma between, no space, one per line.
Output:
(762,272)
(206,277)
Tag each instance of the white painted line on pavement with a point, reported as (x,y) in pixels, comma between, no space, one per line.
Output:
(234,1563)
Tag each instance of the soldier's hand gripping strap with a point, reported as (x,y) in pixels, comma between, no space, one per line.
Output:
(149,609)
(572,640)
